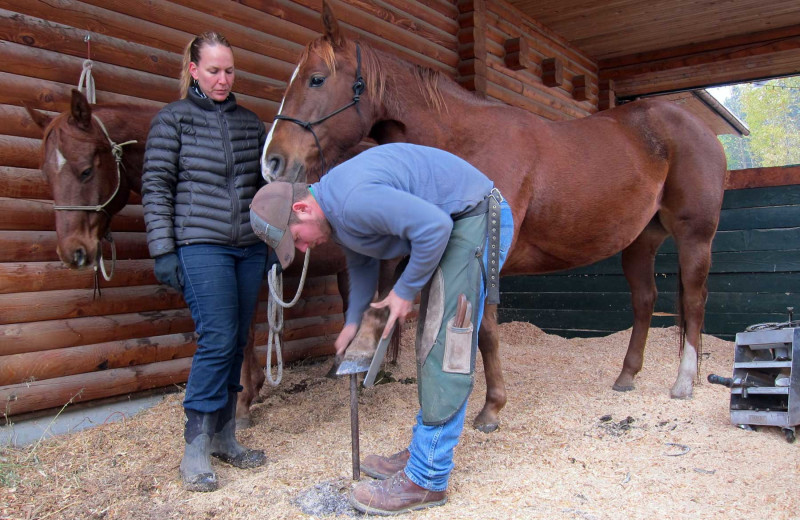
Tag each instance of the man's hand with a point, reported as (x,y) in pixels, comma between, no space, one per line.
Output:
(345,337)
(398,310)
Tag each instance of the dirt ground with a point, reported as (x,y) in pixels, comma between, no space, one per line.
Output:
(568,447)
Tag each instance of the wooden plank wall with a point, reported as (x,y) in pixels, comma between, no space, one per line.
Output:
(57,342)
(755,271)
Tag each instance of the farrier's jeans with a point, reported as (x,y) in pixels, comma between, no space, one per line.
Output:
(221,286)
(432,447)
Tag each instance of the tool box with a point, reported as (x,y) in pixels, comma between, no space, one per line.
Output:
(765,387)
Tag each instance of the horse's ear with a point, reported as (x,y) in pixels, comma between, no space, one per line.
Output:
(40,118)
(332,32)
(80,110)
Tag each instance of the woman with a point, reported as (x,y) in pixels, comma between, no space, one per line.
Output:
(201,170)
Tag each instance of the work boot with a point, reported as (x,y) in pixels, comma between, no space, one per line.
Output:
(195,468)
(224,445)
(393,496)
(384,467)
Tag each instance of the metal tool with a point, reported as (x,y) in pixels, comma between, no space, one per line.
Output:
(352,365)
(377,359)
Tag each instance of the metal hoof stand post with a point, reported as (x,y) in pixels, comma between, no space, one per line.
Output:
(765,387)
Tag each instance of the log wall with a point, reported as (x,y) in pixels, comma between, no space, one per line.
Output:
(59,342)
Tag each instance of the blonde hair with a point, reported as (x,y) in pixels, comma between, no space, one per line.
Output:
(191,54)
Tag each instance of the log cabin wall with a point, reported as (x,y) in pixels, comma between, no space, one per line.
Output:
(60,344)
(530,67)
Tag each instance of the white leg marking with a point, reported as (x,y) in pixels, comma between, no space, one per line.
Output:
(687,372)
(265,170)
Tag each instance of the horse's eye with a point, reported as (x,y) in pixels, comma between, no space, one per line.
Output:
(316,81)
(85,174)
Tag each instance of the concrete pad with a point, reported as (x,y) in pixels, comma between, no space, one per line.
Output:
(29,431)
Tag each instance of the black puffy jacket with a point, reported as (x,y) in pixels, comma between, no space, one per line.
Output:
(201,171)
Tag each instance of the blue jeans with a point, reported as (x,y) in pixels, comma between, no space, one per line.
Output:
(221,286)
(432,447)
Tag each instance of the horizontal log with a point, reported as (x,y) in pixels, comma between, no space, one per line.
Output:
(312,306)
(20,152)
(101,18)
(528,98)
(290,38)
(59,305)
(301,328)
(444,22)
(52,96)
(762,177)
(24,183)
(64,39)
(400,18)
(14,120)
(58,67)
(62,391)
(26,214)
(507,19)
(38,336)
(53,363)
(40,246)
(17,277)
(385,36)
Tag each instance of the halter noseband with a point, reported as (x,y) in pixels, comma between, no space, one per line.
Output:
(358,89)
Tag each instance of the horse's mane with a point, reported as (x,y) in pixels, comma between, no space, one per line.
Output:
(375,66)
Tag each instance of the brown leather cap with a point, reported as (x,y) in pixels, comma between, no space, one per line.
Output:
(269,217)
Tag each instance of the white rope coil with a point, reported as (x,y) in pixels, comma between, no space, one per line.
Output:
(275,306)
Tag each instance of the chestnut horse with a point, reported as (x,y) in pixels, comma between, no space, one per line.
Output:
(620,180)
(78,160)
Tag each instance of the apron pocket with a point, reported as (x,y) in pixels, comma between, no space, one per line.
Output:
(457,349)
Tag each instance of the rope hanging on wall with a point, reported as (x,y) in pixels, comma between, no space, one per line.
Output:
(86,81)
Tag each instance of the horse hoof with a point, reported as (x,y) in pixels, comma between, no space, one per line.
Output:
(486,428)
(681,395)
(622,388)
(242,423)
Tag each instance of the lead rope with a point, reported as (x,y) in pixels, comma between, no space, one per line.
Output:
(275,306)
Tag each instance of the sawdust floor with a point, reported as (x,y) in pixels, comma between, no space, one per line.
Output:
(557,455)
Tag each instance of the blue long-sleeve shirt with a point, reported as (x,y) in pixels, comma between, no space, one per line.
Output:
(395,200)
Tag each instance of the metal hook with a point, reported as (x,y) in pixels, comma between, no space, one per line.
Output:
(88,40)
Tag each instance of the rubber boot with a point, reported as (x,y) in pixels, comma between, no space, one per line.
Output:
(196,469)
(225,447)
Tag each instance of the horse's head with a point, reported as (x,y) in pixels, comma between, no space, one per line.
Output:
(84,176)
(327,108)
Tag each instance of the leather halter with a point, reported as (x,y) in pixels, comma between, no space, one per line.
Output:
(358,88)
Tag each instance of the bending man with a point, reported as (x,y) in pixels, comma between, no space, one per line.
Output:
(390,201)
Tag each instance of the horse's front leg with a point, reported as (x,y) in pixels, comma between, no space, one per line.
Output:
(489,345)
(638,264)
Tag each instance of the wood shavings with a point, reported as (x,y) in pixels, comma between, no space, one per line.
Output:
(551,457)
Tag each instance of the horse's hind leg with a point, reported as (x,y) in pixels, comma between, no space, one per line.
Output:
(638,261)
(694,257)
(252,380)
(489,345)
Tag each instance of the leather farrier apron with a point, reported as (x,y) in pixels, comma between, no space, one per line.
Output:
(446,354)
